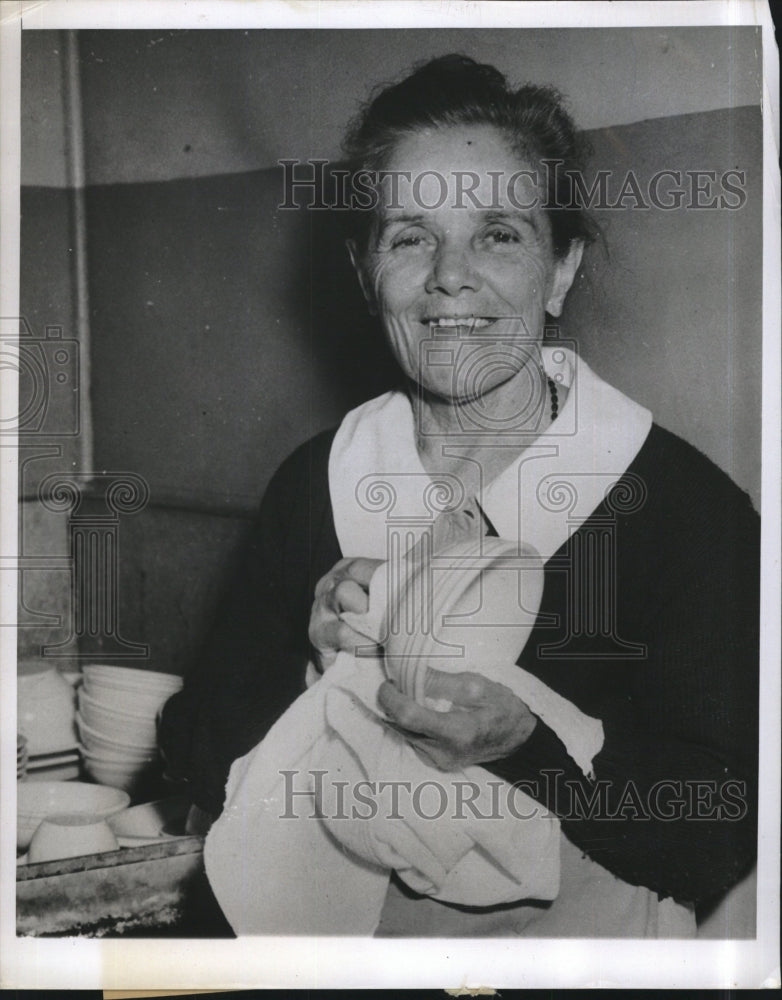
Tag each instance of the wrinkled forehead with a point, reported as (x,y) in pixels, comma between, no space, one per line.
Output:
(455,196)
(459,168)
(459,147)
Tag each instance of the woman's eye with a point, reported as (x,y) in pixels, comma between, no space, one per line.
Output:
(502,236)
(408,240)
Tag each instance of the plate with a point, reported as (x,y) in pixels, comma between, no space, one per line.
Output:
(38,761)
(70,770)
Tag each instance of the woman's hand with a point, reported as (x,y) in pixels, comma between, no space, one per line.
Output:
(486,721)
(344,588)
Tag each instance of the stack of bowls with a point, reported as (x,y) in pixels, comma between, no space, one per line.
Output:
(117,716)
(45,705)
(22,756)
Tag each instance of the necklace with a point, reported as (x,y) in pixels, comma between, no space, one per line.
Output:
(552,388)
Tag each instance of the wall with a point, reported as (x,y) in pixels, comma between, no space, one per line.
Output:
(52,427)
(44,116)
(669,309)
(163,104)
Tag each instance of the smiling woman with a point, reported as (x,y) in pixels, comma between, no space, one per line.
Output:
(630,587)
(487,276)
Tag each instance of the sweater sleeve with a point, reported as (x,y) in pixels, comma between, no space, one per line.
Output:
(252,665)
(673,802)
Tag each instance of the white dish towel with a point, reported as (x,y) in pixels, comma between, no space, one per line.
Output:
(332,800)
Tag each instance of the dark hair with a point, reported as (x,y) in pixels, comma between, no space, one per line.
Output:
(456,90)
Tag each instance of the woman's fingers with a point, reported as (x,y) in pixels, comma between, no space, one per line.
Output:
(486,721)
(343,589)
(416,719)
(358,569)
(348,577)
(349,596)
(332,635)
(362,570)
(464,689)
(440,738)
(327,583)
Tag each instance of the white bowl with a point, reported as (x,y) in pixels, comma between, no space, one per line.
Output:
(115,707)
(116,756)
(152,821)
(143,703)
(96,745)
(130,706)
(37,800)
(70,836)
(114,759)
(97,739)
(127,728)
(119,756)
(116,774)
(45,705)
(128,678)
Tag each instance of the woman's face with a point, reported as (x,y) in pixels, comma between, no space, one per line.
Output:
(460,266)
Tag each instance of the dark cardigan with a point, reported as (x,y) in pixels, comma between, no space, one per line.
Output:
(672,670)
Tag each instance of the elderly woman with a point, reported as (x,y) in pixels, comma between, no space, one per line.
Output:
(647,623)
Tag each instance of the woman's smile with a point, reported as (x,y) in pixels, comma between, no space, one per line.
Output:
(465,322)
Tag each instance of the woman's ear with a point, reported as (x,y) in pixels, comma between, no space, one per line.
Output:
(565,270)
(358,267)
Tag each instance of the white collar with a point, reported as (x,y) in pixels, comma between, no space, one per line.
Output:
(378,485)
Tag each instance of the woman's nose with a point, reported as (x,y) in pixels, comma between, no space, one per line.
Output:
(452,272)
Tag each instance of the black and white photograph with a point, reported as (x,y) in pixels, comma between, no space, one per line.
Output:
(390,429)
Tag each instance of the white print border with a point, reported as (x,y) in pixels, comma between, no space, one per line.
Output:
(304,963)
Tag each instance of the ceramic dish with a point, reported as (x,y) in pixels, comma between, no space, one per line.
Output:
(151,822)
(37,800)
(108,718)
(45,706)
(99,743)
(126,678)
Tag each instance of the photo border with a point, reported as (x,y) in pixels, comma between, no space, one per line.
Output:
(310,963)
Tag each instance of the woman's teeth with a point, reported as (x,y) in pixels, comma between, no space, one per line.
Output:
(473,322)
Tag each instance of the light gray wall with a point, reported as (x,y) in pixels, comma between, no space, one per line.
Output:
(43,120)
(161,104)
